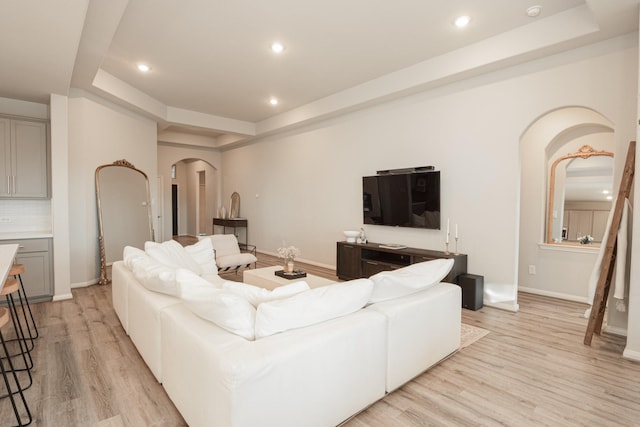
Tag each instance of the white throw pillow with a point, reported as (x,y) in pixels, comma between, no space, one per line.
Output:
(154,275)
(410,279)
(172,254)
(129,253)
(256,295)
(311,307)
(202,253)
(223,308)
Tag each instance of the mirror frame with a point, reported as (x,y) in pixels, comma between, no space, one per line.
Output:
(104,280)
(584,152)
(234,205)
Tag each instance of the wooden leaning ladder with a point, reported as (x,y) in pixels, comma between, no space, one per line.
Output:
(609,257)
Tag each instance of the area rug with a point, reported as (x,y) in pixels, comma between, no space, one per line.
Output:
(470,334)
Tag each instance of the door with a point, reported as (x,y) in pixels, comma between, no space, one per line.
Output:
(174,209)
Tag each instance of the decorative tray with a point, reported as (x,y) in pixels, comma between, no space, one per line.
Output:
(295,275)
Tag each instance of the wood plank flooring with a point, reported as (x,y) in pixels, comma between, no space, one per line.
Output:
(532,369)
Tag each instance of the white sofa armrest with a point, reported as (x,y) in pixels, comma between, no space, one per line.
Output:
(423,328)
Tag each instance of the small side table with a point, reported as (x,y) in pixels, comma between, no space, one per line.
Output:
(232,223)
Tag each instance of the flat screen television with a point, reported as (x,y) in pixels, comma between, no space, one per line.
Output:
(402,200)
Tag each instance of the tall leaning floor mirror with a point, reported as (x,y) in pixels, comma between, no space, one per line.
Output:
(124,211)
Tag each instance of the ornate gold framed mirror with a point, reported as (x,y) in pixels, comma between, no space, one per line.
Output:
(234,205)
(124,211)
(577,204)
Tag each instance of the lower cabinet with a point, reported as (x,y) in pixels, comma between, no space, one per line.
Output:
(364,260)
(35,255)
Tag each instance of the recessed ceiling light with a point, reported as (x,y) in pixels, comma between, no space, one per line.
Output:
(462,21)
(273,100)
(144,68)
(534,11)
(609,197)
(277,47)
(605,191)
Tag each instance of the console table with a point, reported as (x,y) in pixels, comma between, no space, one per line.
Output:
(355,260)
(232,223)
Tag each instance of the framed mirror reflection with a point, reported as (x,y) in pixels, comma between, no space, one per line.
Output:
(579,197)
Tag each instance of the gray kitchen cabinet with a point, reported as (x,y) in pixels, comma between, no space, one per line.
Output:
(36,256)
(24,168)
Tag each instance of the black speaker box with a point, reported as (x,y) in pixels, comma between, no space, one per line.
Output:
(472,290)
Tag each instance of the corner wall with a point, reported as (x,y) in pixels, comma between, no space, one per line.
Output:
(100,133)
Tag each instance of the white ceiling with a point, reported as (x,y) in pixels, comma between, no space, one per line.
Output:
(213,73)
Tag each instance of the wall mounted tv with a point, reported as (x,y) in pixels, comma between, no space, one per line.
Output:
(402,199)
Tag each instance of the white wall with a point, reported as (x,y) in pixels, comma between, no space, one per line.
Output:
(169,154)
(100,133)
(305,187)
(632,350)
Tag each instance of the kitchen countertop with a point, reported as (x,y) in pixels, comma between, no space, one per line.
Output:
(7,255)
(17,235)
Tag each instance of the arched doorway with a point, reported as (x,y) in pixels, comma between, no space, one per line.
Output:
(194,197)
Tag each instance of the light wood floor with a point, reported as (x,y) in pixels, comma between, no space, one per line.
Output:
(532,369)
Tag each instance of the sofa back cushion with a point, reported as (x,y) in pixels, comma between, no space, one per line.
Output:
(226,309)
(311,307)
(154,275)
(257,295)
(172,254)
(202,253)
(410,279)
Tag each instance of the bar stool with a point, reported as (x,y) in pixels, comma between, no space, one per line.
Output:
(4,319)
(16,271)
(11,287)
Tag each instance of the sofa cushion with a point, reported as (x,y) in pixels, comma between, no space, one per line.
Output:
(226,309)
(154,275)
(257,295)
(312,306)
(202,253)
(410,279)
(129,254)
(172,254)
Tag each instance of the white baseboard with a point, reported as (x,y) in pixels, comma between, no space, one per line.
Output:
(62,297)
(631,355)
(503,305)
(558,295)
(317,264)
(84,284)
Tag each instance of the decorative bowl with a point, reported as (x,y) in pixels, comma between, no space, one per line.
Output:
(351,235)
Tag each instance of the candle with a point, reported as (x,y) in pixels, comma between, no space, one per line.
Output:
(447,241)
(456,231)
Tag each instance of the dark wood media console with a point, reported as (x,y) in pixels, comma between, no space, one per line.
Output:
(356,260)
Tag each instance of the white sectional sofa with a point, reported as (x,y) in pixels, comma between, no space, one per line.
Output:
(317,375)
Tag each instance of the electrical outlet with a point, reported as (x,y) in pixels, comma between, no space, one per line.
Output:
(532,269)
(5,219)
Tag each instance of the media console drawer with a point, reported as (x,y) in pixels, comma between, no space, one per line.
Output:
(364,260)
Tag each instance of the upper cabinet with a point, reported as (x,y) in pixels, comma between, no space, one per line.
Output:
(24,168)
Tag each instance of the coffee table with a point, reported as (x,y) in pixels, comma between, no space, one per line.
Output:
(266,278)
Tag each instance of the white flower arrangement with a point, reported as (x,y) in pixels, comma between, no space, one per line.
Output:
(289,252)
(586,239)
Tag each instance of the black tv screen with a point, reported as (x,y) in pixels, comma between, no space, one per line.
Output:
(402,200)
